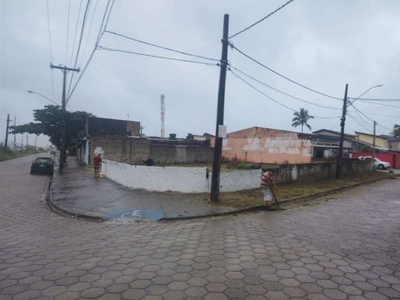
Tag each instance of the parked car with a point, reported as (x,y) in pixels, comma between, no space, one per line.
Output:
(53,152)
(43,165)
(377,162)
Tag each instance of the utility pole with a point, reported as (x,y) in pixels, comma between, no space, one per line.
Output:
(15,138)
(63,150)
(373,147)
(215,178)
(8,122)
(27,144)
(342,122)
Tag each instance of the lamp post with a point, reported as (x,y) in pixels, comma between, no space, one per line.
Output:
(373,87)
(32,92)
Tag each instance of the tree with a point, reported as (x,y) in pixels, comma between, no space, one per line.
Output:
(396,131)
(301,118)
(48,122)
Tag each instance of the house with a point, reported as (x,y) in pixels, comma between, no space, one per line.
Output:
(120,141)
(394,144)
(326,143)
(381,141)
(104,128)
(267,145)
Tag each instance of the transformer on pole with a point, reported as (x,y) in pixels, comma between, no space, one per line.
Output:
(162,116)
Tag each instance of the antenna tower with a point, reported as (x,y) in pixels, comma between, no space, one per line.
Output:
(162,116)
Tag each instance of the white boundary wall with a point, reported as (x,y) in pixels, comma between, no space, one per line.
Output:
(178,179)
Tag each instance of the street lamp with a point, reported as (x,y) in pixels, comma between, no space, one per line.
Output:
(32,92)
(375,86)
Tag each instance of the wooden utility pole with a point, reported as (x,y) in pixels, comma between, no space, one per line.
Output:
(6,141)
(215,178)
(63,150)
(342,123)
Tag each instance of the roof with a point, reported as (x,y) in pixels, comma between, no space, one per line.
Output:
(333,131)
(265,128)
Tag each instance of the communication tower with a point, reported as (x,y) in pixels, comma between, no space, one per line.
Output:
(162,116)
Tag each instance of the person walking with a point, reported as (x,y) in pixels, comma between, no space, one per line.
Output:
(97,163)
(267,181)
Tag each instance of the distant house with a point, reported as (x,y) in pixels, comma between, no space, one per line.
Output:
(326,143)
(267,145)
(394,144)
(104,128)
(381,141)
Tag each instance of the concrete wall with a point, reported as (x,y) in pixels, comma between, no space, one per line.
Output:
(178,179)
(315,172)
(135,150)
(198,180)
(265,145)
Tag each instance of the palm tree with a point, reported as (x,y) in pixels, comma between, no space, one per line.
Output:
(301,118)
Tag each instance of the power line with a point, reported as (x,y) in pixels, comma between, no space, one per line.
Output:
(292,81)
(76,31)
(108,10)
(355,120)
(275,11)
(275,89)
(371,102)
(359,111)
(161,47)
(371,99)
(156,56)
(69,10)
(88,35)
(383,126)
(51,47)
(318,117)
(277,102)
(396,117)
(80,40)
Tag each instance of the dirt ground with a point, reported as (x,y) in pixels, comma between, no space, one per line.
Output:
(285,192)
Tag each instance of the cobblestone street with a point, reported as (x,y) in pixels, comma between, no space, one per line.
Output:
(345,246)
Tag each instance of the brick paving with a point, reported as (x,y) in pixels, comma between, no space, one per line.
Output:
(346,246)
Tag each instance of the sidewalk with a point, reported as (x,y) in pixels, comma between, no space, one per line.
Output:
(77,193)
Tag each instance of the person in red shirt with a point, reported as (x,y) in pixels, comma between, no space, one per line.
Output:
(97,163)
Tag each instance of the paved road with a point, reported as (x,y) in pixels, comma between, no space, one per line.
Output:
(344,247)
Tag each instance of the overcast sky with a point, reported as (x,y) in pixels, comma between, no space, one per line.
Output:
(321,44)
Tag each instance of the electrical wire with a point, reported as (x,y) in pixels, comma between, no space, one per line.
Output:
(355,120)
(277,102)
(254,24)
(157,56)
(382,104)
(237,76)
(370,99)
(76,31)
(292,81)
(275,89)
(69,10)
(161,47)
(51,47)
(396,117)
(88,35)
(80,41)
(103,27)
(359,111)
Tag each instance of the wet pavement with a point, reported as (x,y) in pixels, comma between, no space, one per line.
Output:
(345,246)
(77,190)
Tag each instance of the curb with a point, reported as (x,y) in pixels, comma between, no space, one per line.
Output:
(64,212)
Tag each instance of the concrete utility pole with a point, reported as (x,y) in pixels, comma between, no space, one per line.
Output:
(63,150)
(15,138)
(343,120)
(215,178)
(6,141)
(373,147)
